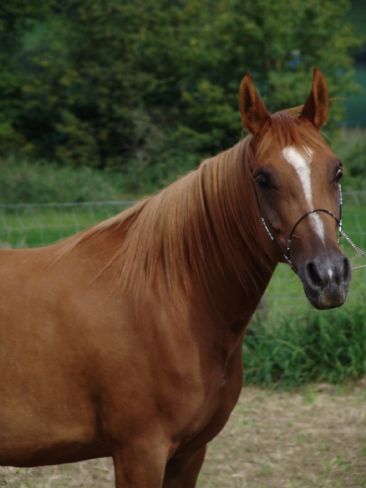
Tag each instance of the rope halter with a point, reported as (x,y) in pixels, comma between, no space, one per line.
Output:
(287,253)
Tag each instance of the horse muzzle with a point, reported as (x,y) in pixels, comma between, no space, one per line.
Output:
(326,280)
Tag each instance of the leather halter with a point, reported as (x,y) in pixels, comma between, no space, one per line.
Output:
(286,253)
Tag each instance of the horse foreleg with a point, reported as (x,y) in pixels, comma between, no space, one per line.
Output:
(182,472)
(139,466)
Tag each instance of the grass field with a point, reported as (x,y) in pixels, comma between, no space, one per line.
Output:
(37,225)
(30,225)
(312,438)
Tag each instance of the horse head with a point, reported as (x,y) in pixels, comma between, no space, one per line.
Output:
(296,177)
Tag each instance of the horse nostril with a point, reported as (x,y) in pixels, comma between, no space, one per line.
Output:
(314,275)
(346,270)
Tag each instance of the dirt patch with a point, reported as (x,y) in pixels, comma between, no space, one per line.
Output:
(312,438)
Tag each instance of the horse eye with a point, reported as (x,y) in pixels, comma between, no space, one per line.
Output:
(264,180)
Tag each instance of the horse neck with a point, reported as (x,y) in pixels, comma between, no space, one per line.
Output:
(201,237)
(230,257)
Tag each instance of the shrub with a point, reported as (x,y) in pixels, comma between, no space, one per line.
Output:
(79,88)
(23,182)
(315,346)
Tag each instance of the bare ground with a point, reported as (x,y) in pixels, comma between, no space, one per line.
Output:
(312,438)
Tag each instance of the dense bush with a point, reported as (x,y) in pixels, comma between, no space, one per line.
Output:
(23,182)
(28,182)
(350,146)
(356,160)
(105,84)
(315,346)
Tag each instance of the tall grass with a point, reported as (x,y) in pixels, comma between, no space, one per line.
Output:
(23,181)
(300,345)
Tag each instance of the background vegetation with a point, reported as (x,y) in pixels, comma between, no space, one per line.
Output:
(109,100)
(145,89)
(289,343)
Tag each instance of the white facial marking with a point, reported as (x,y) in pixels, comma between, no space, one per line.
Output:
(330,274)
(301,162)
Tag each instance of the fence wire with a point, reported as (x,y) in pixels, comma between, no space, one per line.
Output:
(32,225)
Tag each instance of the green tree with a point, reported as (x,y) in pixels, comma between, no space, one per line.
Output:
(16,18)
(110,84)
(279,43)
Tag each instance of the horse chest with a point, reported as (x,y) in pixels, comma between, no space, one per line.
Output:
(219,379)
(218,401)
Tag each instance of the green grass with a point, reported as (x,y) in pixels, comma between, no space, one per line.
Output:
(32,225)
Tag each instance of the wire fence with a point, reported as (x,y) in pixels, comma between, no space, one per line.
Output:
(31,225)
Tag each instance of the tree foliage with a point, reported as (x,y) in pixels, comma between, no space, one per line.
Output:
(106,83)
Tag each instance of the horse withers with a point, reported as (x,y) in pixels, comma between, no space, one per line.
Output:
(125,340)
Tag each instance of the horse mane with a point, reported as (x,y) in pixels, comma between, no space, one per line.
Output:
(204,227)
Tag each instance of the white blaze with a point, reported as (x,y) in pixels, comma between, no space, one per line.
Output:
(301,162)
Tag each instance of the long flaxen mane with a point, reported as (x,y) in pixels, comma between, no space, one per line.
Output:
(204,228)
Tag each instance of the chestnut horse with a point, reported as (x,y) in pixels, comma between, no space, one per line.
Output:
(125,340)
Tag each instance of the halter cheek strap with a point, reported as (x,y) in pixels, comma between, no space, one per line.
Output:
(286,253)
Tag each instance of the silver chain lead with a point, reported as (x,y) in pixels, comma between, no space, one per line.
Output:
(358,250)
(286,255)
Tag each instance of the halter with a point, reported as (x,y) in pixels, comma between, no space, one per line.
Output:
(286,253)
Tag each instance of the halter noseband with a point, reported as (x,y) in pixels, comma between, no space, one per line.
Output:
(286,254)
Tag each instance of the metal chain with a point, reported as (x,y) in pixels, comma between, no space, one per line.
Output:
(360,252)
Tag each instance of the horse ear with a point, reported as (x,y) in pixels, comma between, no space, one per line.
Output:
(317,104)
(253,112)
